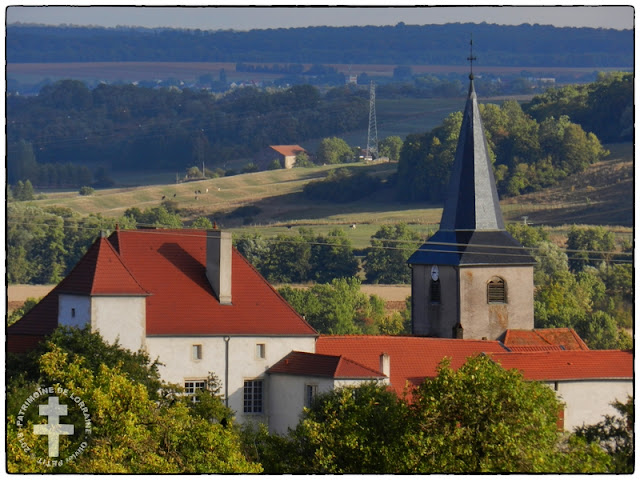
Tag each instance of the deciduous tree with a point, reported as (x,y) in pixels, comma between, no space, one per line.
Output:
(386,259)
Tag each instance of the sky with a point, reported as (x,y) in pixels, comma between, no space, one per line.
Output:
(238,17)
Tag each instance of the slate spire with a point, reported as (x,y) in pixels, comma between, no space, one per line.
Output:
(472,199)
(472,230)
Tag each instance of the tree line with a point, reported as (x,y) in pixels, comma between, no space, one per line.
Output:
(523,45)
(527,155)
(475,419)
(126,126)
(532,146)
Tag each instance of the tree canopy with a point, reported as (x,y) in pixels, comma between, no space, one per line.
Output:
(132,429)
(527,155)
(402,44)
(386,259)
(477,419)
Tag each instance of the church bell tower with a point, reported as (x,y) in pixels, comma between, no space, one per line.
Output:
(471,279)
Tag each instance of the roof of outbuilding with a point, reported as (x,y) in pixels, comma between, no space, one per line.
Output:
(411,359)
(288,150)
(317,365)
(567,338)
(569,364)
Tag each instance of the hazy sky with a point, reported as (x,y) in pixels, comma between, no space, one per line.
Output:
(245,18)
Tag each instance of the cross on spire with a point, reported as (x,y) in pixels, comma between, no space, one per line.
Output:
(471,58)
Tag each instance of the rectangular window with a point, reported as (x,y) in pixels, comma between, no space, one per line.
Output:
(192,386)
(73,313)
(310,392)
(253,396)
(260,350)
(196,352)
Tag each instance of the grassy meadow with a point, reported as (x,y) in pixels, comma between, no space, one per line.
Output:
(602,195)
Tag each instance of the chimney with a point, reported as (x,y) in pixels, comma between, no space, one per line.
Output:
(385,364)
(219,264)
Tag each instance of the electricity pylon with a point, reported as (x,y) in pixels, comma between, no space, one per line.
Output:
(372,134)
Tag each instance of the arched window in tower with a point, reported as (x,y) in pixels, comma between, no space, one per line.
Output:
(496,291)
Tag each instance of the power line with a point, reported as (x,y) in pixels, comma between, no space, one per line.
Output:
(150,229)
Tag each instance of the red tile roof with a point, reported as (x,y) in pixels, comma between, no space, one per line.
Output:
(288,150)
(412,359)
(101,272)
(169,266)
(544,337)
(536,348)
(569,365)
(316,365)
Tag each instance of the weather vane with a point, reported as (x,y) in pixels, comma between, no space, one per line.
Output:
(471,58)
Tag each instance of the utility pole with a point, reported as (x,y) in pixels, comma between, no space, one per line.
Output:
(372,134)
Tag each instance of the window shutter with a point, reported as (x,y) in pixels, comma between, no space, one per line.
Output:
(496,291)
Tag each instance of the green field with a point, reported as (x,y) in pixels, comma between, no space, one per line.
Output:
(602,195)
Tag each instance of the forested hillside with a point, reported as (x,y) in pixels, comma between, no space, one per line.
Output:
(524,45)
(560,136)
(133,128)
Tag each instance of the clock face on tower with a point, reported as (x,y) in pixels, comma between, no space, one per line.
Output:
(435,273)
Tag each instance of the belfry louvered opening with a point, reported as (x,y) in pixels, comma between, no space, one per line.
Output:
(496,291)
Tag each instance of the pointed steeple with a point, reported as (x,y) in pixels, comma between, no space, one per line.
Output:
(472,230)
(472,199)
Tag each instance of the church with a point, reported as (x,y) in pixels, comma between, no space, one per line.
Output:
(190,300)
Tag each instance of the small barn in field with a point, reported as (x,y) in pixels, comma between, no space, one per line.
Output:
(285,154)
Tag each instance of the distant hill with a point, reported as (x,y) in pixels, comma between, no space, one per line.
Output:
(523,45)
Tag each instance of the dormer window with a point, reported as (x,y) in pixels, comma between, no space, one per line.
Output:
(496,291)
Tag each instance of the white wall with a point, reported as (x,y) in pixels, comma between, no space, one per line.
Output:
(287,396)
(121,318)
(586,402)
(74,310)
(175,354)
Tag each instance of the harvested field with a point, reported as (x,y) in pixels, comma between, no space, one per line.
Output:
(18,294)
(394,295)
